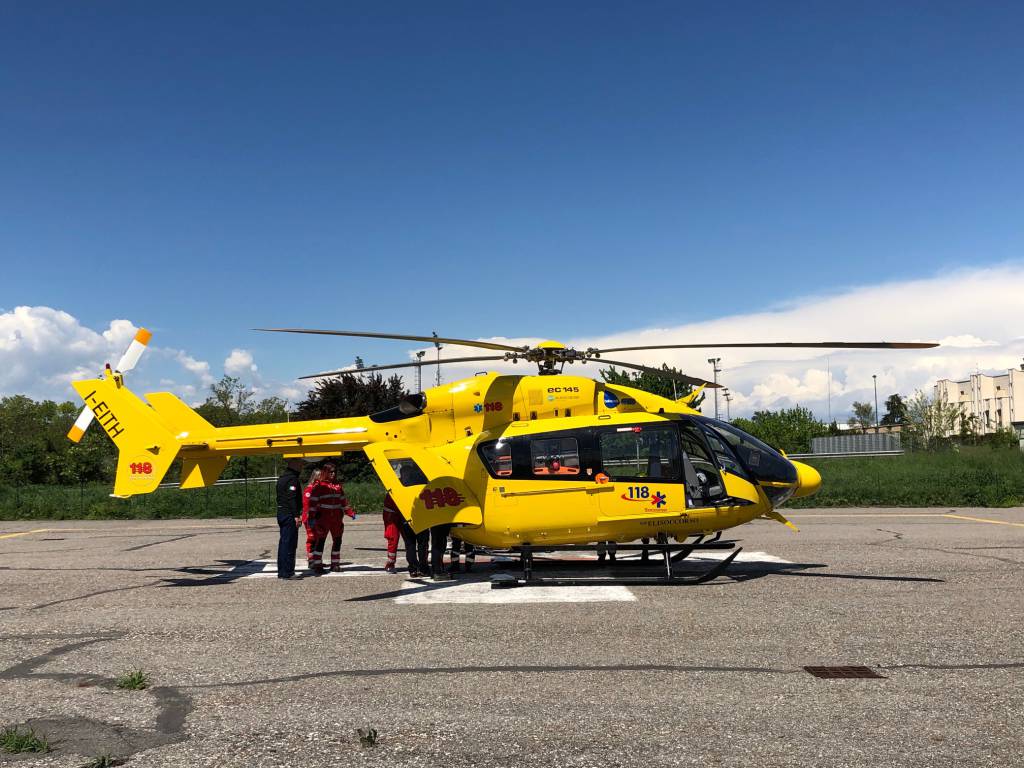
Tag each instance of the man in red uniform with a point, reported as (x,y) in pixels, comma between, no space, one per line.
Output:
(327,502)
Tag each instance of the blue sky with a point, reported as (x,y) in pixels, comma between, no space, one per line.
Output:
(560,170)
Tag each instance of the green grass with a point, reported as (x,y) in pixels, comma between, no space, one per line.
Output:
(103,761)
(973,477)
(133,680)
(15,740)
(93,502)
(367,736)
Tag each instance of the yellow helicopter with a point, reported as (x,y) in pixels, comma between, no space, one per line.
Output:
(527,463)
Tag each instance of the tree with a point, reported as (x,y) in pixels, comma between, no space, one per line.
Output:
(650,382)
(863,415)
(929,420)
(351,395)
(895,410)
(34,447)
(790,429)
(229,403)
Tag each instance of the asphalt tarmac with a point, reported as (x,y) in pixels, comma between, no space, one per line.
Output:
(251,670)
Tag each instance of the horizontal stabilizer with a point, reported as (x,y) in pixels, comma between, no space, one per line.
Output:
(178,416)
(201,473)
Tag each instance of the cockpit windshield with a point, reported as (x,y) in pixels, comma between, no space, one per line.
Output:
(763,461)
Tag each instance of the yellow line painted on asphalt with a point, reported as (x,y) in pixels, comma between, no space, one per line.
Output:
(984,520)
(23,533)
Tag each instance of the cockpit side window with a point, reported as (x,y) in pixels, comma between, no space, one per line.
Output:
(703,482)
(727,460)
(763,461)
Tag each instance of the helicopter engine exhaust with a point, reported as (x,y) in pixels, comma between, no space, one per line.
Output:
(413,405)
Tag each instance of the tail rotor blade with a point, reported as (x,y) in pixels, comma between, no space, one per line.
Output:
(128,361)
(134,352)
(81,424)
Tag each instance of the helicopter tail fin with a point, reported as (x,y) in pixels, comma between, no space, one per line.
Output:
(424,486)
(195,472)
(145,442)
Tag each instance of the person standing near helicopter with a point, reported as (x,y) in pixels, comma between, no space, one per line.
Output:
(310,527)
(327,503)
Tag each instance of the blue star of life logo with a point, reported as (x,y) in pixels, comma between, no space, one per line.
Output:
(478,407)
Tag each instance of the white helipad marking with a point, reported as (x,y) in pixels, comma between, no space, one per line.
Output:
(742,557)
(481,592)
(266,569)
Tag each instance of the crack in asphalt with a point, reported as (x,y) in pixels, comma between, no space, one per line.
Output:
(898,536)
(173,703)
(572,668)
(158,543)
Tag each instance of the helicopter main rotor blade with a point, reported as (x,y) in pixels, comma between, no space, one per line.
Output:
(786,345)
(410,364)
(402,337)
(691,380)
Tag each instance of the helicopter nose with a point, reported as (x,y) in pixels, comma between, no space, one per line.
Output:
(808,480)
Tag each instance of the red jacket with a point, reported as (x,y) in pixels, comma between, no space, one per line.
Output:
(391,514)
(322,498)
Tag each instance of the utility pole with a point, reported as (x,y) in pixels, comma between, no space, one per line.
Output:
(419,370)
(874,378)
(728,401)
(714,367)
(437,377)
(828,368)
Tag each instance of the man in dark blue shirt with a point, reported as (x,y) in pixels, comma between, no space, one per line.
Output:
(289,517)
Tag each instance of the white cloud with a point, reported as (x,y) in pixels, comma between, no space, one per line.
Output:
(239,362)
(973,313)
(42,350)
(198,368)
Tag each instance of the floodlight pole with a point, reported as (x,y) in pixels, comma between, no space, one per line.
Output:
(419,370)
(716,370)
(437,377)
(874,378)
(728,400)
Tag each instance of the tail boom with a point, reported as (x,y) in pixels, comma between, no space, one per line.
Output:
(150,434)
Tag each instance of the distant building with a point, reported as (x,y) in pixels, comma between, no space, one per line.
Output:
(995,402)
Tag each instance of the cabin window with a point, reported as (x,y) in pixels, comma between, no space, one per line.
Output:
(408,472)
(557,456)
(641,452)
(498,457)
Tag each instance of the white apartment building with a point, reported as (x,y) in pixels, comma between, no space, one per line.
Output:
(995,401)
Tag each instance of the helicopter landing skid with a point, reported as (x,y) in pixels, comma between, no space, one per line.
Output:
(671,553)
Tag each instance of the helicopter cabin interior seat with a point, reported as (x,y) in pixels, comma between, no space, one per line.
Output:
(654,466)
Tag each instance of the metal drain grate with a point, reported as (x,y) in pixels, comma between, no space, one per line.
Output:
(844,672)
